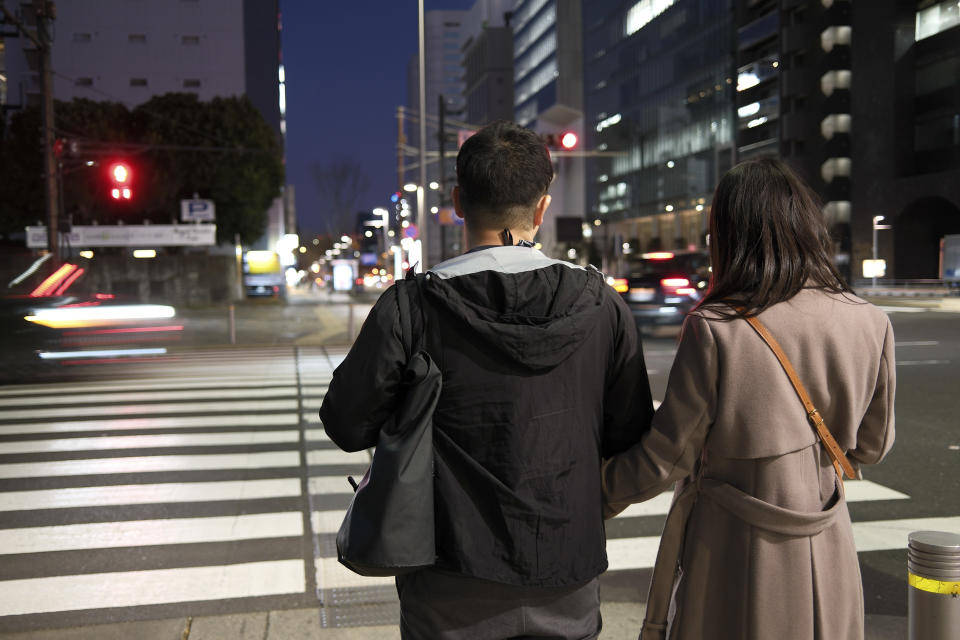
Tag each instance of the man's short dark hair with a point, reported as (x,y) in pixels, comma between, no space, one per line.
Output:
(502,170)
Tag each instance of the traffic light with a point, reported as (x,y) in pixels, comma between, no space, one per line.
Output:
(565,141)
(120,177)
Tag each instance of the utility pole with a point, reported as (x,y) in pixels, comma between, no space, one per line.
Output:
(421,194)
(45,12)
(401,140)
(441,139)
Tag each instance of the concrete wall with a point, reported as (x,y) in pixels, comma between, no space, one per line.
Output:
(178,280)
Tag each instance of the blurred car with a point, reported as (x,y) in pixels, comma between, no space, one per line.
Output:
(50,317)
(662,287)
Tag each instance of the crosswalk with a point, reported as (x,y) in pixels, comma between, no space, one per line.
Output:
(207,483)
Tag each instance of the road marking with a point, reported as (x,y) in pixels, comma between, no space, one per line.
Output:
(908,363)
(881,535)
(144,464)
(855,491)
(84,388)
(333,575)
(186,422)
(336,456)
(144,442)
(152,409)
(889,310)
(330,485)
(172,492)
(161,586)
(918,343)
(140,396)
(140,533)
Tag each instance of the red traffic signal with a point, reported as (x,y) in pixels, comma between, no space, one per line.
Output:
(566,140)
(121,176)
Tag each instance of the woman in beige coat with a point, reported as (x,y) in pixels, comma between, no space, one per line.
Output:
(758,542)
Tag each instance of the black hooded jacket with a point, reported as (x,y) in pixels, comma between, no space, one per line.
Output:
(543,376)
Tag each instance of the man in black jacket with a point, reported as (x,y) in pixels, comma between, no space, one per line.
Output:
(543,377)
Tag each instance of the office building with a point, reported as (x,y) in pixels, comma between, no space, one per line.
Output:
(487,60)
(658,83)
(548,98)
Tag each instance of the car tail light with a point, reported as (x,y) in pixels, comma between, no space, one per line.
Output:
(658,255)
(620,285)
(677,286)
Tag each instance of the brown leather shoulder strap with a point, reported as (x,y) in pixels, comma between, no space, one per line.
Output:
(840,461)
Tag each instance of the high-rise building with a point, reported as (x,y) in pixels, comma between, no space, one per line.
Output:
(861,100)
(658,94)
(905,132)
(487,61)
(548,98)
(128,52)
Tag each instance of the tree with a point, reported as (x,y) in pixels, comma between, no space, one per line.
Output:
(239,165)
(177,145)
(340,184)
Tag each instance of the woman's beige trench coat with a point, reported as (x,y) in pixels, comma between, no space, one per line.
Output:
(761,545)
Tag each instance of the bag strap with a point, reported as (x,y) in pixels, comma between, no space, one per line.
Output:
(403,305)
(410,295)
(840,462)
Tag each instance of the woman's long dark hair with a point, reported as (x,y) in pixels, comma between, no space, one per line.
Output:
(768,240)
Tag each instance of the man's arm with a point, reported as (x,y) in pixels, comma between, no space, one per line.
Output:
(627,403)
(363,392)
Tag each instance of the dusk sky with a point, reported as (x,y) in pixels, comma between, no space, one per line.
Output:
(346,66)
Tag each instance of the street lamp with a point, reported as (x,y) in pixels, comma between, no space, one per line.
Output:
(876,227)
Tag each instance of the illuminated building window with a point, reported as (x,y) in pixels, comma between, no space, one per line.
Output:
(643,12)
(938,18)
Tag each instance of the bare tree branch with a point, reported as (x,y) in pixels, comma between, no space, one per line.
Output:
(340,184)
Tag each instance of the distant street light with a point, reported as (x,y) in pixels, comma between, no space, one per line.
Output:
(411,187)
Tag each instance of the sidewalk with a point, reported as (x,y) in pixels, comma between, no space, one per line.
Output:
(621,621)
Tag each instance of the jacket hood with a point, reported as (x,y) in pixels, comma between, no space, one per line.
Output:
(534,310)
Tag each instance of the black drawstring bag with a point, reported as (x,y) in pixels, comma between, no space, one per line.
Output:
(388,529)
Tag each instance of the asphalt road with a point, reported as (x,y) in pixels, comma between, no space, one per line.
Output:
(86,465)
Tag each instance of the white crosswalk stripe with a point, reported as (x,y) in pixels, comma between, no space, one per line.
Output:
(215,477)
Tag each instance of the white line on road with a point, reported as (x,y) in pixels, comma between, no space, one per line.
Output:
(170,492)
(335,456)
(143,464)
(161,586)
(641,553)
(330,485)
(141,395)
(83,388)
(140,533)
(121,424)
(151,409)
(909,363)
(143,442)
(918,343)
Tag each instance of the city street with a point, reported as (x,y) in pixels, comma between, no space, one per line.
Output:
(169,498)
